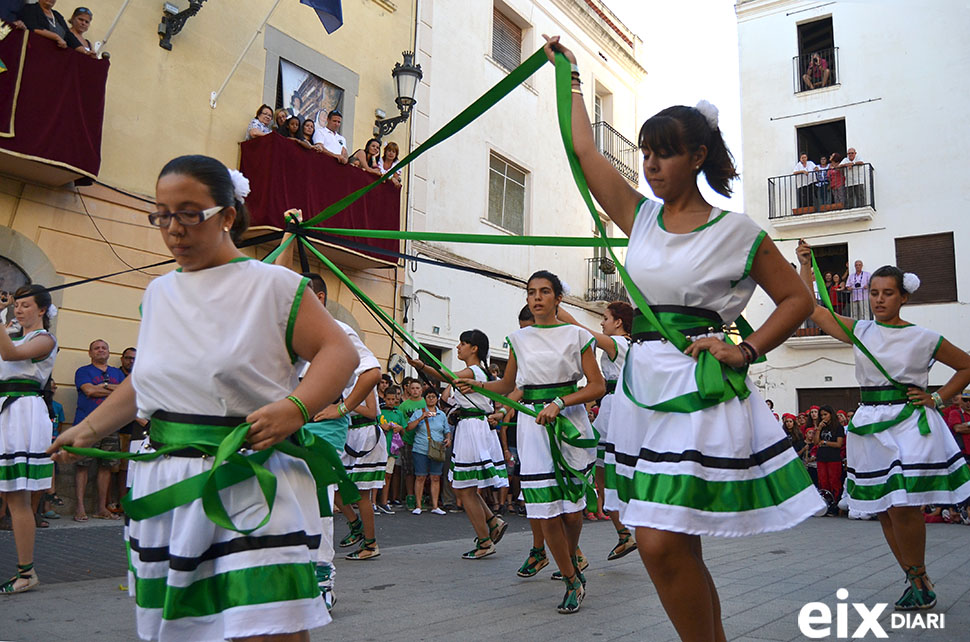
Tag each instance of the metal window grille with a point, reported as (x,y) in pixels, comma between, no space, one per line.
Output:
(506,195)
(506,41)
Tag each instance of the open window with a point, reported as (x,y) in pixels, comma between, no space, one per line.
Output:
(816,65)
(822,140)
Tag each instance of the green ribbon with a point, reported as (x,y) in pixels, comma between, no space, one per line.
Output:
(901,389)
(223,443)
(490,239)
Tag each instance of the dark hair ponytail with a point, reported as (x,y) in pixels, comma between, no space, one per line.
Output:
(624,312)
(215,176)
(680,129)
(41,297)
(478,339)
(548,276)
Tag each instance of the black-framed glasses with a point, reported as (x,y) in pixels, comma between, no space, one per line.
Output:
(184,217)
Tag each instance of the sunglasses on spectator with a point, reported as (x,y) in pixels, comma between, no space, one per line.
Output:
(184,217)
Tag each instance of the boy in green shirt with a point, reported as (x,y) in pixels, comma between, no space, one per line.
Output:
(392,420)
(413,389)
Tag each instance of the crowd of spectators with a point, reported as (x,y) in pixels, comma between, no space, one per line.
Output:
(833,183)
(325,140)
(818,436)
(46,22)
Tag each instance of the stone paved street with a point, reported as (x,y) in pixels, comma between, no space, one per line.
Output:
(425,592)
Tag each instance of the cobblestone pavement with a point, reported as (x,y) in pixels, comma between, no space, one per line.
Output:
(426,592)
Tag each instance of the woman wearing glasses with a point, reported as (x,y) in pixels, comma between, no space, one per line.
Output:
(192,579)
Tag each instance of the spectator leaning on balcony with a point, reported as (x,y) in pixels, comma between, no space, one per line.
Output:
(294,131)
(260,126)
(818,72)
(855,179)
(308,130)
(803,181)
(80,22)
(821,177)
(389,160)
(837,179)
(858,285)
(328,141)
(369,158)
(279,122)
(47,23)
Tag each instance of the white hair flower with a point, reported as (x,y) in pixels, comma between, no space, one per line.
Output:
(240,184)
(566,291)
(911,282)
(51,311)
(708,111)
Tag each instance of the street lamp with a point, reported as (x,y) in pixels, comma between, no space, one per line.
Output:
(406,79)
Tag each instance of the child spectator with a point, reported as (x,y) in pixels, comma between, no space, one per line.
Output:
(392,421)
(413,401)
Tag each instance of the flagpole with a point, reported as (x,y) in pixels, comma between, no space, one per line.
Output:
(99,46)
(214,97)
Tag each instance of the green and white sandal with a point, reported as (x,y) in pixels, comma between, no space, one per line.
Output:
(575,593)
(24,572)
(483,548)
(626,545)
(496,528)
(915,598)
(355,535)
(536,561)
(368,550)
(579,561)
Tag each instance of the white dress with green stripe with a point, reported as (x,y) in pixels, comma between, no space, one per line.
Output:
(727,469)
(366,469)
(900,466)
(25,424)
(477,460)
(218,342)
(546,355)
(612,370)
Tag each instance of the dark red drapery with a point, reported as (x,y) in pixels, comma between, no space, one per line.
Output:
(59,107)
(283,175)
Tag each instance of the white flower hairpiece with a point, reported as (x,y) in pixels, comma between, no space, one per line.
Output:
(911,282)
(240,184)
(708,111)
(565,288)
(51,311)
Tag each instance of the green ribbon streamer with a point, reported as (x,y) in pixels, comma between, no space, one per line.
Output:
(515,78)
(561,431)
(901,388)
(223,444)
(490,239)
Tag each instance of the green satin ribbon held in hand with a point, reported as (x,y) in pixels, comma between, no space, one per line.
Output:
(223,444)
(901,388)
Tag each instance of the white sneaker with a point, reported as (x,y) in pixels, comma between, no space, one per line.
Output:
(437,511)
(416,511)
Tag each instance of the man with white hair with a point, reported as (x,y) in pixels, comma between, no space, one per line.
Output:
(855,179)
(858,285)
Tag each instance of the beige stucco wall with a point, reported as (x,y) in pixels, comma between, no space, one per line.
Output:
(157,107)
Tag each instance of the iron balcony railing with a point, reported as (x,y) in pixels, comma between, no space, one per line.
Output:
(816,69)
(844,303)
(602,281)
(843,187)
(621,152)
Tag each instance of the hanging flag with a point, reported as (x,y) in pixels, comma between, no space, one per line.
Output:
(328,11)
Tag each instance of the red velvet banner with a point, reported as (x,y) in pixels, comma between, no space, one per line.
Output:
(283,175)
(52,101)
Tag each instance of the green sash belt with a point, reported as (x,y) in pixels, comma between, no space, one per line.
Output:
(19,388)
(899,389)
(222,442)
(471,413)
(359,421)
(882,395)
(716,382)
(610,386)
(546,393)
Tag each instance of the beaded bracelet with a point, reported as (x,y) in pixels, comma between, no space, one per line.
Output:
(303,410)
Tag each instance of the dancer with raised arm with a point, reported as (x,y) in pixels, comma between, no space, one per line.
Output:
(546,361)
(697,451)
(899,450)
(26,363)
(217,565)
(477,460)
(613,342)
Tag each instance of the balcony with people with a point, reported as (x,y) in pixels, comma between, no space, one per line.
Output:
(292,163)
(52,97)
(848,291)
(835,189)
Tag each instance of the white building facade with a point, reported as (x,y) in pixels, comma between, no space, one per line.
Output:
(888,80)
(506,173)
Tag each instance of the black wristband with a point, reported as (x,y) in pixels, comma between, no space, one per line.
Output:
(750,354)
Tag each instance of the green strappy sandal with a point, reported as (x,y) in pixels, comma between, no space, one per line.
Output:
(24,572)
(536,561)
(575,592)
(483,548)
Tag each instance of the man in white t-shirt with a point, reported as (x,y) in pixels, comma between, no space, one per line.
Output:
(328,141)
(803,179)
(855,179)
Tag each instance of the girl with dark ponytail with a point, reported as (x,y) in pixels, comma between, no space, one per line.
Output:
(696,266)
(477,460)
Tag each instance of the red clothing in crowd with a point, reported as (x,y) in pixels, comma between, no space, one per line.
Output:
(959,416)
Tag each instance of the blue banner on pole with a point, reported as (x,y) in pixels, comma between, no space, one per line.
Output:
(329,12)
